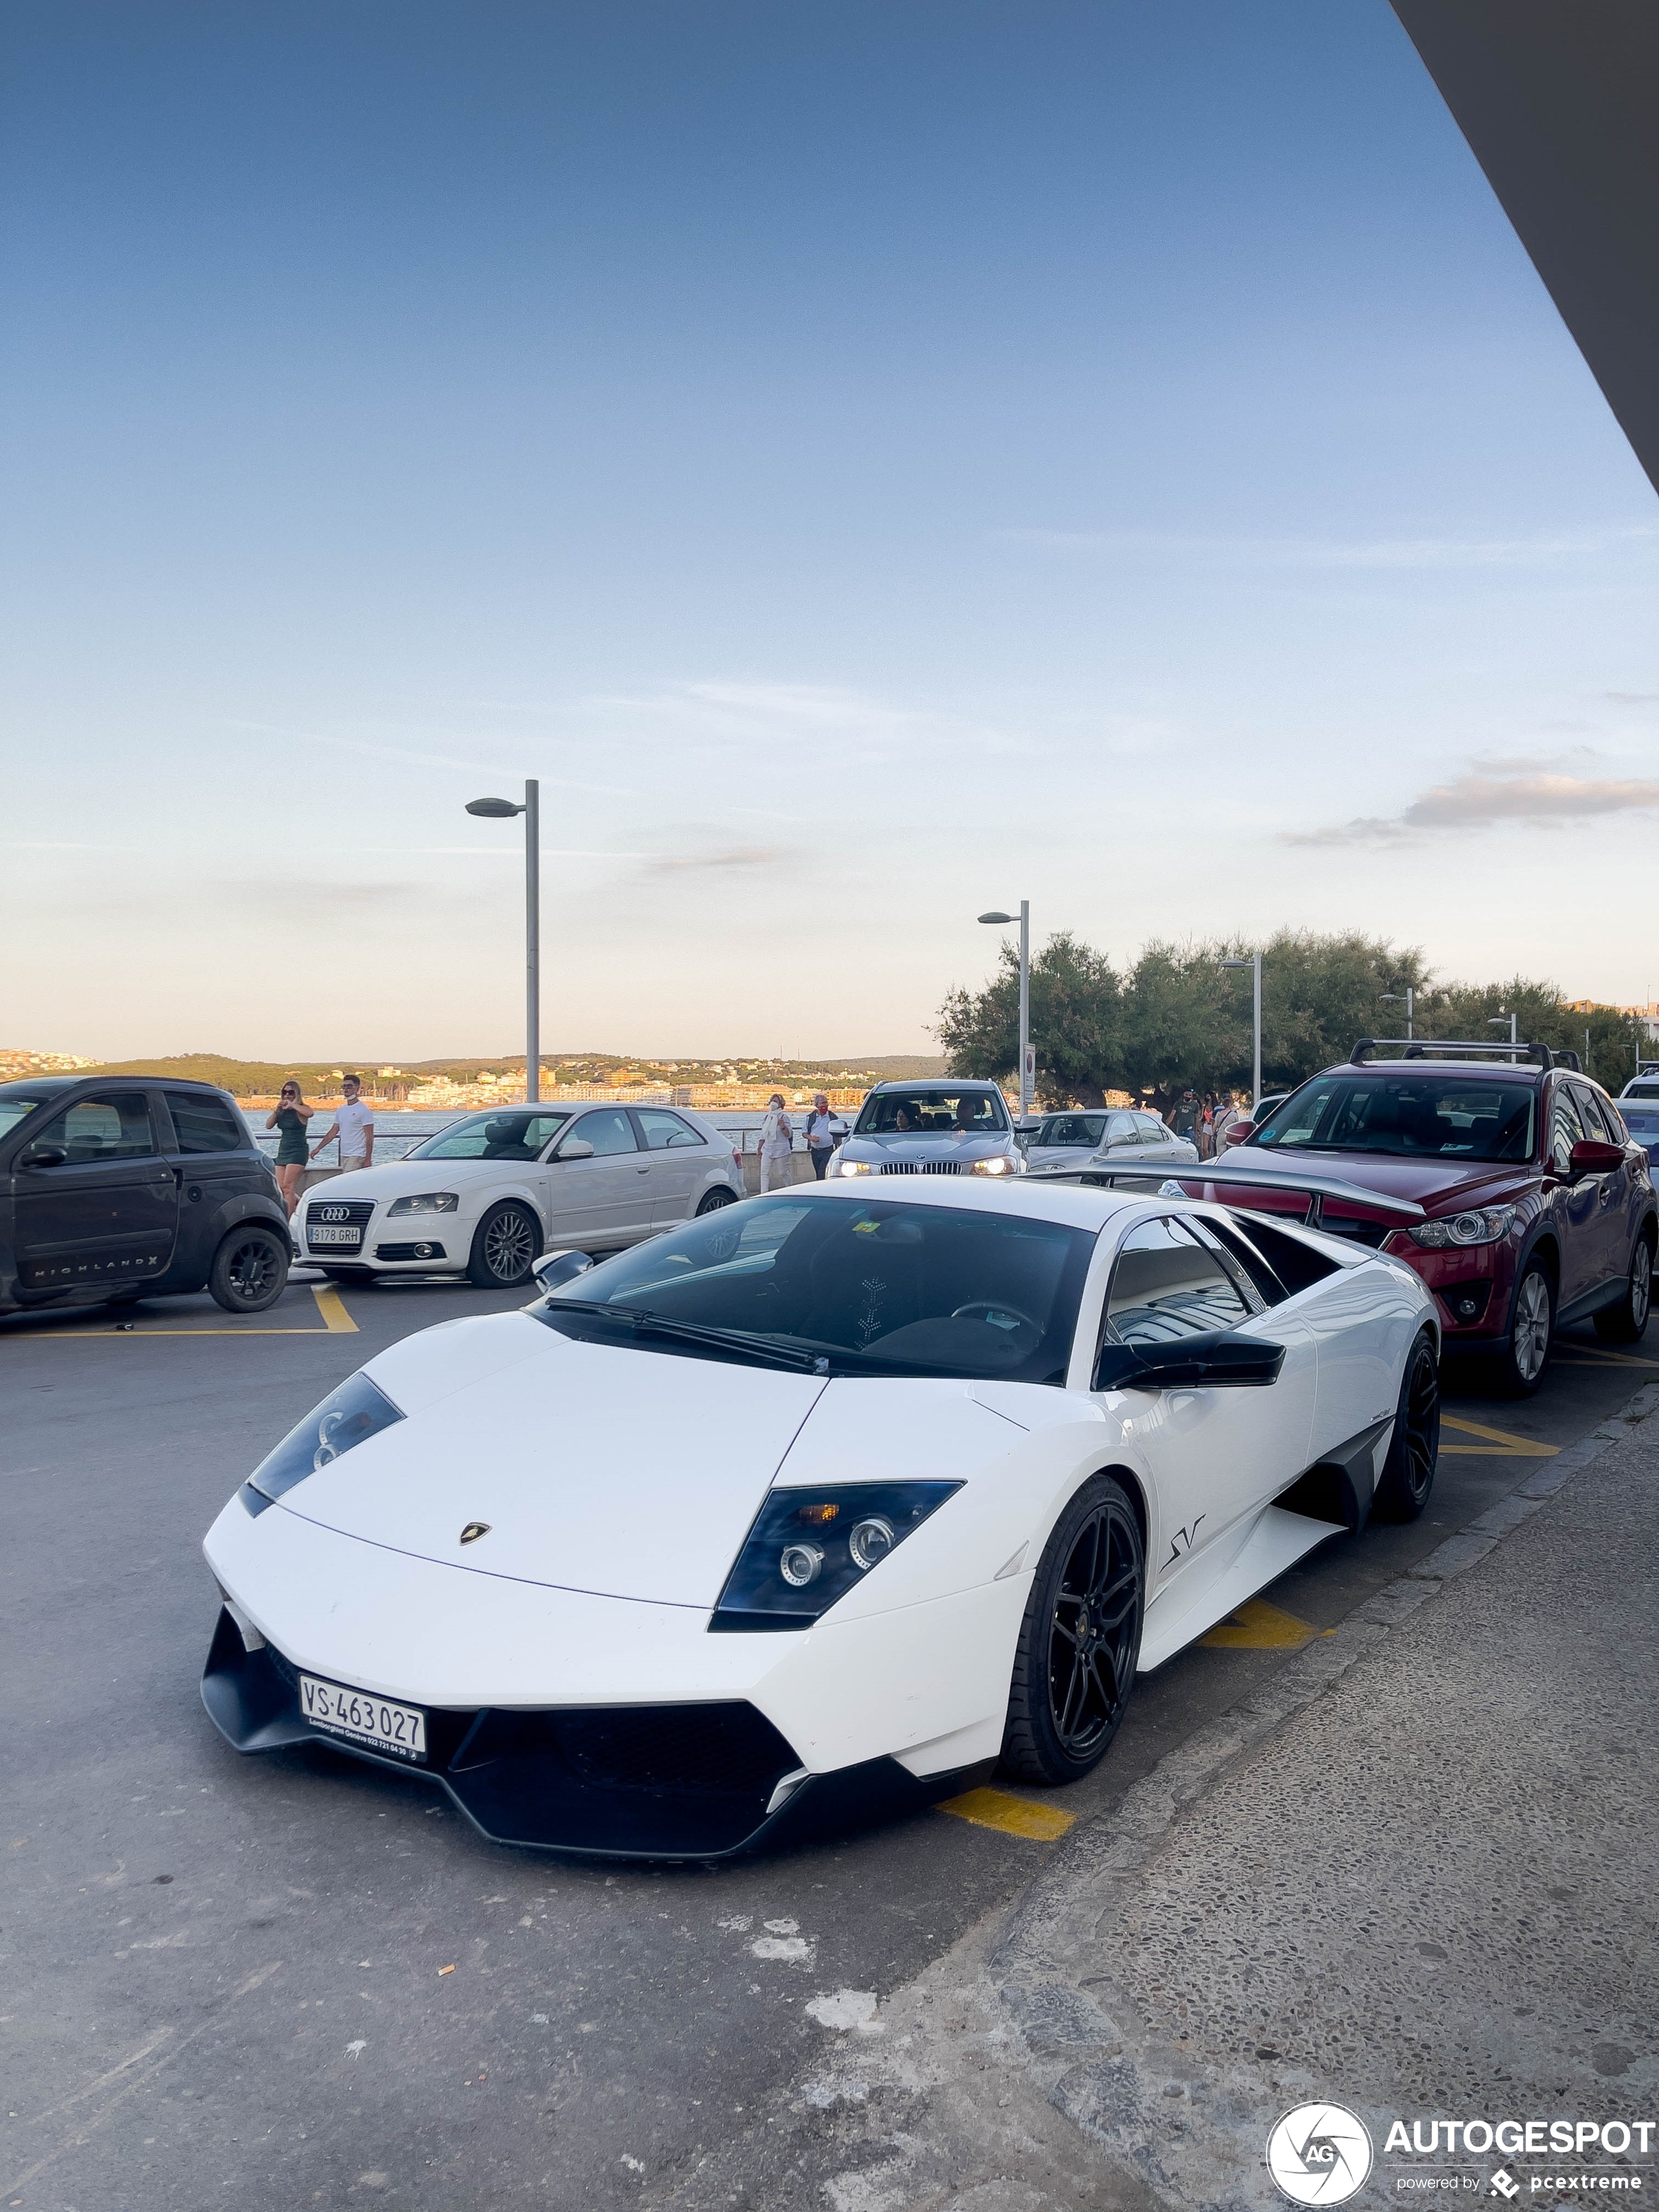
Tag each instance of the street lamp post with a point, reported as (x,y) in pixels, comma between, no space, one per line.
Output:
(1496,1021)
(501,810)
(1254,964)
(1026,1070)
(1394,998)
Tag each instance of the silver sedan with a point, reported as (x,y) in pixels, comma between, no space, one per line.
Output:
(1126,1138)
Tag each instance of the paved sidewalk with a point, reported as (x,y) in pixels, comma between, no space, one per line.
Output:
(1419,1876)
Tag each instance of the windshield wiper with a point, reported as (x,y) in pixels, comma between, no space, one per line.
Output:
(641,1322)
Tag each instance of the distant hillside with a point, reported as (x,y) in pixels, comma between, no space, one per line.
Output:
(259,1079)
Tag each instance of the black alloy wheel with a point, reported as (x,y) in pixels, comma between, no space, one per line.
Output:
(504,1245)
(1408,1476)
(250,1270)
(1532,1331)
(1080,1641)
(713,1200)
(1627,1321)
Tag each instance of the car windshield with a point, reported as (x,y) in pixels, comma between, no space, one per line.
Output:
(932,1114)
(523,1133)
(1405,1117)
(882,1288)
(1071,1129)
(13,1110)
(1639,1090)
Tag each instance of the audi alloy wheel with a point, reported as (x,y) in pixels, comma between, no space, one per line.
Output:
(506,1242)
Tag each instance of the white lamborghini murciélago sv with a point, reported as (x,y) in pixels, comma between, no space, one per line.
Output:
(824,1503)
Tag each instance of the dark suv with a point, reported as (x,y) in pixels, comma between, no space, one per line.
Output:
(115,1190)
(1540,1209)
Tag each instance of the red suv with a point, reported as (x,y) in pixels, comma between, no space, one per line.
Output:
(1539,1208)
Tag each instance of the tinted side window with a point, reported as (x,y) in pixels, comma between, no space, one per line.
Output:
(663,1131)
(114,1126)
(1166,1285)
(1566,1128)
(1590,1113)
(205,1125)
(1253,1261)
(1296,1264)
(608,1131)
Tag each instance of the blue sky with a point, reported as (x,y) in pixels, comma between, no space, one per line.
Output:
(871,463)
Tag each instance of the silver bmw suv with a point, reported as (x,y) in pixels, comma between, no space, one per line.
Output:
(942,1127)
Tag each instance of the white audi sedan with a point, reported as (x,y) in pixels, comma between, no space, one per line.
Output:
(488,1195)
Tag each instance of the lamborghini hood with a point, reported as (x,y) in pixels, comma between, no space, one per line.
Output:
(621,1473)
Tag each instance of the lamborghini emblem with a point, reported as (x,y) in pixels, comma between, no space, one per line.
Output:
(473,1530)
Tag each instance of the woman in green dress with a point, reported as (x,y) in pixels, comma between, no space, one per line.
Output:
(289,1121)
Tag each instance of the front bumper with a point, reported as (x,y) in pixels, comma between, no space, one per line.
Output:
(1471,1286)
(644,1782)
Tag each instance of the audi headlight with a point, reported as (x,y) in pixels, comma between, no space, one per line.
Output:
(1483,1224)
(1000,1166)
(853,1167)
(356,1410)
(808,1547)
(426,1201)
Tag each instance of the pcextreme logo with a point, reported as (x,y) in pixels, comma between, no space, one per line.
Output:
(1319,2154)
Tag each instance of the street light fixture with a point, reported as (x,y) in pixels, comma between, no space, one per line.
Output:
(502,810)
(1027,1071)
(1394,998)
(1496,1021)
(1254,963)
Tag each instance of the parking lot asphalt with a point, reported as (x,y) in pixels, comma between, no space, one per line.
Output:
(298,1981)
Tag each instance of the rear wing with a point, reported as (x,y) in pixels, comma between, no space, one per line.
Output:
(1211,1179)
(1459,1048)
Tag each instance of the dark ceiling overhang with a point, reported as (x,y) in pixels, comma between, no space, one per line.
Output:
(1559,102)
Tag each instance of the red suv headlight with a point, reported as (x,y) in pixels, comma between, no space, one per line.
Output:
(1483,1224)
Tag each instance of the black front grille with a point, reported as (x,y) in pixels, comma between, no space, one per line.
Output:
(338,1210)
(703,1751)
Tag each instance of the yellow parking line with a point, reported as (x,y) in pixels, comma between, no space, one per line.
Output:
(1498,1444)
(1014,1816)
(337,1321)
(1586,1355)
(1258,1626)
(331,1306)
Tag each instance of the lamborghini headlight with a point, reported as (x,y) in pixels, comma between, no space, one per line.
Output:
(844,1166)
(1000,1165)
(426,1201)
(354,1412)
(808,1547)
(1483,1224)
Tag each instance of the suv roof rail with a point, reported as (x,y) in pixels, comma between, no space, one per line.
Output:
(1418,1048)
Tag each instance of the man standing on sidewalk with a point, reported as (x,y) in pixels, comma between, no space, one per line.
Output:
(354,1125)
(820,1134)
(1184,1120)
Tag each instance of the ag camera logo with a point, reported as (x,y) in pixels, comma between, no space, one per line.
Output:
(1319,2154)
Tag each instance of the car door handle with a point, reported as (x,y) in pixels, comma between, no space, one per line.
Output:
(644,1170)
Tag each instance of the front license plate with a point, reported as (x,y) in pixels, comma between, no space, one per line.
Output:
(399,1730)
(323,1235)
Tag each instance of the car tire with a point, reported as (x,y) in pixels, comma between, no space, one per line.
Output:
(712,1200)
(1532,1331)
(250,1269)
(1080,1641)
(1627,1321)
(505,1246)
(1408,1476)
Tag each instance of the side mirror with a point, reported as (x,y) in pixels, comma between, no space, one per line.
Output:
(575,1148)
(53,1156)
(1238,1131)
(1192,1363)
(1591,1156)
(554,1268)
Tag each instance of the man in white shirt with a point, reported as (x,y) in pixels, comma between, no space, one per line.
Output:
(354,1125)
(820,1134)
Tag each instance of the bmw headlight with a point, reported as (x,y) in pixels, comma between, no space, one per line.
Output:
(356,1410)
(842,1167)
(426,1201)
(1000,1165)
(808,1547)
(1483,1224)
